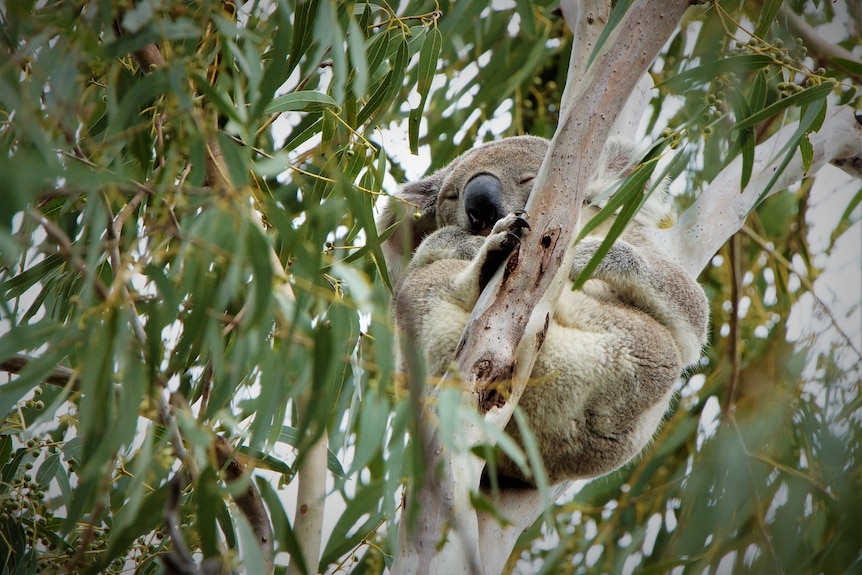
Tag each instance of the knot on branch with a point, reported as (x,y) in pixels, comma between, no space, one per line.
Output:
(510,266)
(490,399)
(493,383)
(547,241)
(540,336)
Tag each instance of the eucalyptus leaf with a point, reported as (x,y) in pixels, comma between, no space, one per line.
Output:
(358,59)
(302,101)
(705,73)
(808,95)
(359,519)
(428,57)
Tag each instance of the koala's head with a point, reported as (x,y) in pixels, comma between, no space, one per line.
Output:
(474,191)
(486,183)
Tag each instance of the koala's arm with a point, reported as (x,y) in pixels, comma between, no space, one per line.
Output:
(443,282)
(435,283)
(644,279)
(449,243)
(485,253)
(433,299)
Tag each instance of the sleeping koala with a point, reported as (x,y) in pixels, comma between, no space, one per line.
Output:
(613,351)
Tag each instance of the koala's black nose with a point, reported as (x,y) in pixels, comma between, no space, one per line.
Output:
(482,203)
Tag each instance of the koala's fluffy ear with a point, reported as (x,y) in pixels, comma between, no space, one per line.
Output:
(413,212)
(620,156)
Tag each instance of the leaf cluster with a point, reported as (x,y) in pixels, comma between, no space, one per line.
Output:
(188,250)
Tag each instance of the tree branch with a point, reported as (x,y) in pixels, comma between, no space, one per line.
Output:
(734,255)
(248,502)
(823,52)
(59,377)
(180,560)
(521,507)
(717,214)
(149,57)
(310,498)
(508,344)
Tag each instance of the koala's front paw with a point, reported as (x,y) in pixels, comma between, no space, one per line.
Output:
(506,233)
(505,236)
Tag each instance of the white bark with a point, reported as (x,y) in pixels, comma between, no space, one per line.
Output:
(721,210)
(310,498)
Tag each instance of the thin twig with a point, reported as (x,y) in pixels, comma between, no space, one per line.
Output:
(806,283)
(823,51)
(180,560)
(60,376)
(67,248)
(733,336)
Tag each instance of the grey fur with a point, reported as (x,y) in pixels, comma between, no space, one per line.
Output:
(613,351)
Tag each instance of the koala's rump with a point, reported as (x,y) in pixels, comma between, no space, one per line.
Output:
(599,389)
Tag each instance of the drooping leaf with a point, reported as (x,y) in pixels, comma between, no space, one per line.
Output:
(806,96)
(705,73)
(767,16)
(359,519)
(428,57)
(302,101)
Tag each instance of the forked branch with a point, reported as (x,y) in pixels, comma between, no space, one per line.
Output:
(720,211)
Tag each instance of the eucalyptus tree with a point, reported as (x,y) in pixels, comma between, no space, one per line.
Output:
(195,310)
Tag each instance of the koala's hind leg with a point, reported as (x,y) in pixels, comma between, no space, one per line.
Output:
(654,285)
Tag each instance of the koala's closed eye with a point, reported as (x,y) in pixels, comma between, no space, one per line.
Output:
(449,192)
(526,178)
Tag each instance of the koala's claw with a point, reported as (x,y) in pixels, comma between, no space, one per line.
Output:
(514,223)
(521,222)
(510,241)
(507,232)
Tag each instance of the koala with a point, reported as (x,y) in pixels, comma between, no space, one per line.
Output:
(604,376)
